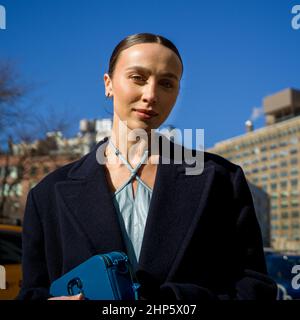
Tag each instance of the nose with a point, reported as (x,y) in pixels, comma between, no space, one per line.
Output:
(150,93)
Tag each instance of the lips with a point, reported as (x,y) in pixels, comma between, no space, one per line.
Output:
(145,114)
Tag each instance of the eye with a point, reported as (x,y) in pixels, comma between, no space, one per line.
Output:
(137,78)
(167,83)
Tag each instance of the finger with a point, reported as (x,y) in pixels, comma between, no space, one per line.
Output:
(76,297)
(79,296)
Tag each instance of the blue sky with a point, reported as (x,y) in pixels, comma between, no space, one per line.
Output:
(235,52)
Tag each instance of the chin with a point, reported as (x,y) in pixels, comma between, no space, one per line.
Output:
(140,125)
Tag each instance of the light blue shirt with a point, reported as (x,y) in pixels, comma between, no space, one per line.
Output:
(132,209)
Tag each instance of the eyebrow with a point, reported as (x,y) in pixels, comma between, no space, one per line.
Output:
(167,74)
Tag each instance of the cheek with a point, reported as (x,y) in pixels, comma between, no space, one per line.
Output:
(123,90)
(169,102)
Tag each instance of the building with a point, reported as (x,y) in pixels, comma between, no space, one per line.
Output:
(26,164)
(18,174)
(270,159)
(90,132)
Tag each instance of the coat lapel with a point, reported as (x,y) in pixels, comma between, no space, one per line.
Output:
(177,204)
(87,201)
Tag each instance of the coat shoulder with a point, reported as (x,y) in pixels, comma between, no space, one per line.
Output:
(60,174)
(220,163)
(225,169)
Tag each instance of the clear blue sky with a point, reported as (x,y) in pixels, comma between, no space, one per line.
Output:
(235,52)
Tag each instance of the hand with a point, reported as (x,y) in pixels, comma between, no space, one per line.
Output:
(79,296)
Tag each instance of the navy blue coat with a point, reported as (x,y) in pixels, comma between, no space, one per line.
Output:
(201,241)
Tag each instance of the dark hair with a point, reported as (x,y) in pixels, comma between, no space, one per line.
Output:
(138,38)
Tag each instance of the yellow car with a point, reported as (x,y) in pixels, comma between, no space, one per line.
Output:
(10,261)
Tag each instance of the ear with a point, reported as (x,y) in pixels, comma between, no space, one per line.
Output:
(108,85)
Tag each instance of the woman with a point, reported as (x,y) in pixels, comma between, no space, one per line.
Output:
(189,237)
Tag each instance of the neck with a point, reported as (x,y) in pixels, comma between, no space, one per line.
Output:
(132,144)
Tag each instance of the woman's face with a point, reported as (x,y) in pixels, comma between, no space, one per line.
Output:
(144,85)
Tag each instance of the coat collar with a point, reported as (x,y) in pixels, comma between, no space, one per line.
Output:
(177,203)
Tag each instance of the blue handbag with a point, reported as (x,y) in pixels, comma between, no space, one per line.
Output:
(101,277)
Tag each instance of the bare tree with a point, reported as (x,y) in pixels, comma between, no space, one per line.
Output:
(26,125)
(11,92)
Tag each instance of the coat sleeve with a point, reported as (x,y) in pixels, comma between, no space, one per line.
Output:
(253,282)
(35,283)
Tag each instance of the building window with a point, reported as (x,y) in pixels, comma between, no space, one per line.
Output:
(284,235)
(273,156)
(284,194)
(295,203)
(283,153)
(16,190)
(295,214)
(13,172)
(274,176)
(263,148)
(294,161)
(293,151)
(20,171)
(283,184)
(283,174)
(294,140)
(294,182)
(2,171)
(283,164)
(283,144)
(284,204)
(33,170)
(294,171)
(295,193)
(284,215)
(7,190)
(273,186)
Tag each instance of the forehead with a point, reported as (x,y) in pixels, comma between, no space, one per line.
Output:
(150,55)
